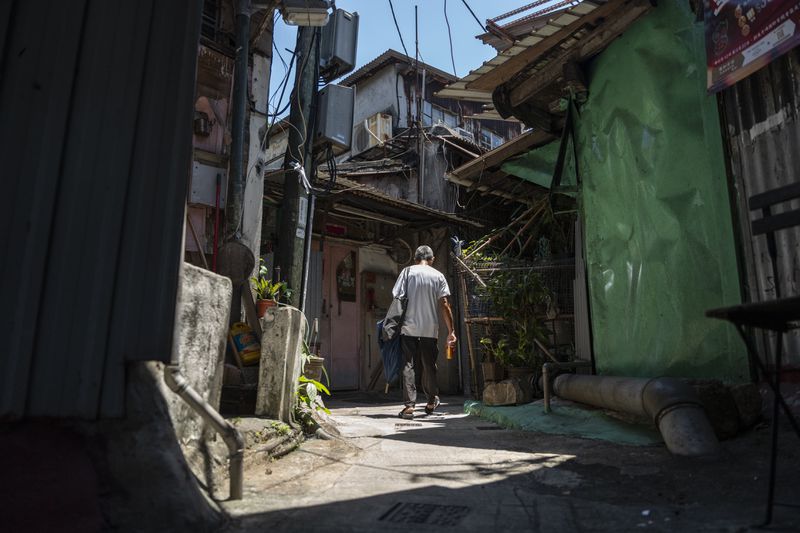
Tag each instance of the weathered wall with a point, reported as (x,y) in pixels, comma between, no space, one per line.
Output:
(126,474)
(438,193)
(378,94)
(254,186)
(257,156)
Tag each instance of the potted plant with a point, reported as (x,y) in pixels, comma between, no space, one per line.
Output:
(313,365)
(268,293)
(492,365)
(521,300)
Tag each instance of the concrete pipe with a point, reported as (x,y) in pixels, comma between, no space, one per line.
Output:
(670,403)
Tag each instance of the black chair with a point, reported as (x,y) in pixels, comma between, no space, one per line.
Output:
(778,315)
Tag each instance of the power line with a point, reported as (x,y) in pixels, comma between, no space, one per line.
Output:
(474,15)
(450,38)
(398,28)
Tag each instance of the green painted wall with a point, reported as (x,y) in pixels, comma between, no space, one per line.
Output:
(659,237)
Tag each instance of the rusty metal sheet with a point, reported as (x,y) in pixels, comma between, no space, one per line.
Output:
(762,115)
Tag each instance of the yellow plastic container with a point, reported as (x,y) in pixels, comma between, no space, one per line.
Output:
(246,343)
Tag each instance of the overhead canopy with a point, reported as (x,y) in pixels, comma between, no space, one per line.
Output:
(489,173)
(473,86)
(536,165)
(356,199)
(529,79)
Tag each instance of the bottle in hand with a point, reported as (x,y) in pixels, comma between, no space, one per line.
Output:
(450,351)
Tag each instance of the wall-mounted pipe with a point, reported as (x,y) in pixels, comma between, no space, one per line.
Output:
(670,403)
(233,439)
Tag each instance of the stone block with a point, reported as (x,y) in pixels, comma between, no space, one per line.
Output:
(748,403)
(719,405)
(283,331)
(506,392)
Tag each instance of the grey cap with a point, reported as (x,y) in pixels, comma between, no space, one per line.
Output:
(423,253)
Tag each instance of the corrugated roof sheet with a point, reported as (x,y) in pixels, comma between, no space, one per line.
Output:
(388,57)
(484,174)
(555,22)
(382,203)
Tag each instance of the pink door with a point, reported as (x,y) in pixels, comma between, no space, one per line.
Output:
(340,328)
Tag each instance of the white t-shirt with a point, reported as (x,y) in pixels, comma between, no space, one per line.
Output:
(426,286)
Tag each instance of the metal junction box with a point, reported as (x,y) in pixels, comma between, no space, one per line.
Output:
(335,122)
(338,45)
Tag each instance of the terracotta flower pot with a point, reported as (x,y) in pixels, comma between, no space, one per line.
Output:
(263,305)
(313,368)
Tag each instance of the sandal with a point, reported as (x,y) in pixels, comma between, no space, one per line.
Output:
(430,408)
(407,413)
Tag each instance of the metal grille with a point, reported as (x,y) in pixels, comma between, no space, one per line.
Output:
(557,275)
(426,513)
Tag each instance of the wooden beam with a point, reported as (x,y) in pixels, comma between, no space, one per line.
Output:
(610,30)
(500,154)
(504,72)
(540,79)
(607,30)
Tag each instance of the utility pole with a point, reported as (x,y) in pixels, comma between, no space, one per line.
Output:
(236,179)
(235,256)
(294,211)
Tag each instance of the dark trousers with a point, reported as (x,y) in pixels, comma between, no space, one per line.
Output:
(419,351)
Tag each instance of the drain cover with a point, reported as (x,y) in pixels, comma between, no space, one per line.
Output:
(425,513)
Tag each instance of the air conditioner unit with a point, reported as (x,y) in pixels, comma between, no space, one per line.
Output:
(373,131)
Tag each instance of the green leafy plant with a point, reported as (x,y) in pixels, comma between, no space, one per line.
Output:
(521,299)
(495,351)
(269,290)
(308,394)
(308,390)
(280,428)
(306,357)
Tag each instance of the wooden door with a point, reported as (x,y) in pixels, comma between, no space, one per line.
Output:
(340,331)
(376,295)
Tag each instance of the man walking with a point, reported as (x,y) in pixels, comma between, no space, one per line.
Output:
(427,291)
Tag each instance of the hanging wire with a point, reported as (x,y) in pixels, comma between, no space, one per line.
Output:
(474,15)
(450,39)
(398,28)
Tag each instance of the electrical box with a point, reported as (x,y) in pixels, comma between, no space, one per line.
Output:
(205,187)
(335,119)
(338,45)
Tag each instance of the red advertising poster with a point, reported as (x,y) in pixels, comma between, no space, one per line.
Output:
(744,35)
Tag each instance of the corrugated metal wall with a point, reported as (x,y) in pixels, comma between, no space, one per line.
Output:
(761,114)
(96,100)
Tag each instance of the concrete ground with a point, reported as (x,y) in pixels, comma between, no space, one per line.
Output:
(451,471)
